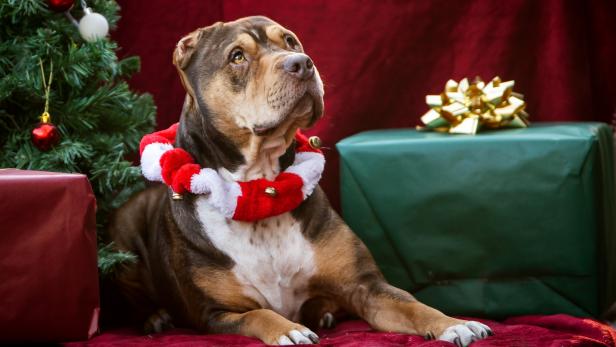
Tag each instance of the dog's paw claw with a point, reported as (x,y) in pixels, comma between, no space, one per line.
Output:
(328,321)
(298,337)
(480,330)
(464,334)
(158,322)
(313,337)
(429,336)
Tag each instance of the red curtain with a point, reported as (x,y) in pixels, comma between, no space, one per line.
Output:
(379,59)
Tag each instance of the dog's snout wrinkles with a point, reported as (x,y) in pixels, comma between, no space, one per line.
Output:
(299,65)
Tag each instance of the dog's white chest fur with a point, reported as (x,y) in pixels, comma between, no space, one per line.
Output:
(273,260)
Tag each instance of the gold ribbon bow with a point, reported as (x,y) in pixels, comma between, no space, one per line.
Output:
(464,108)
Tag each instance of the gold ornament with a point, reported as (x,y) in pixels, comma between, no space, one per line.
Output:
(314,142)
(271,191)
(464,108)
(45,117)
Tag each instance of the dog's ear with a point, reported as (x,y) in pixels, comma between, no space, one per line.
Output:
(187,45)
(181,56)
(185,49)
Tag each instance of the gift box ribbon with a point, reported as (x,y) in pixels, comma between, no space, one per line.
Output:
(464,108)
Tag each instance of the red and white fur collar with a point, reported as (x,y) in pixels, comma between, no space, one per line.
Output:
(243,201)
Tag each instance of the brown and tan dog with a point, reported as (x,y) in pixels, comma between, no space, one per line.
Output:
(249,87)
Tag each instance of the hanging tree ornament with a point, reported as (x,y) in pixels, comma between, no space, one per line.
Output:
(45,135)
(60,5)
(92,26)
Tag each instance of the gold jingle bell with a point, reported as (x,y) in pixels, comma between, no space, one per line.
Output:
(314,142)
(271,191)
(177,196)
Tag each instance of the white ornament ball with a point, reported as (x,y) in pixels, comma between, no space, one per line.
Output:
(93,26)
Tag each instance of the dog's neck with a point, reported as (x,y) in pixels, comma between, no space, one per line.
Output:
(257,157)
(262,157)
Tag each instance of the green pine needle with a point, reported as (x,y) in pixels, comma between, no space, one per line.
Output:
(109,259)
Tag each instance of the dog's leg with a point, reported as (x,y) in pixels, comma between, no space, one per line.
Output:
(266,325)
(388,308)
(349,273)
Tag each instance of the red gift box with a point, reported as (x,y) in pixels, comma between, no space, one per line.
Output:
(48,266)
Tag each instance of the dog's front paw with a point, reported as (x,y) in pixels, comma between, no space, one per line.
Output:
(463,334)
(299,336)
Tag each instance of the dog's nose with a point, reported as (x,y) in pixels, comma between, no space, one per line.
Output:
(299,65)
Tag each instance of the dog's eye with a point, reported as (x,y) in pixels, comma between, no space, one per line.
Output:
(290,41)
(237,57)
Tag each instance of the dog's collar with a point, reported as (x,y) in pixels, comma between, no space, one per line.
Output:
(244,201)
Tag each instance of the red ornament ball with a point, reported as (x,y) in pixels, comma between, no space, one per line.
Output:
(60,5)
(45,136)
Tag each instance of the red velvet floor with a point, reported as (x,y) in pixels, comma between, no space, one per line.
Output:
(527,331)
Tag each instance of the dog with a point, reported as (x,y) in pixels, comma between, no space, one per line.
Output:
(249,87)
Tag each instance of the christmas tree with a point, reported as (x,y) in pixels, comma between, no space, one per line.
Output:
(99,120)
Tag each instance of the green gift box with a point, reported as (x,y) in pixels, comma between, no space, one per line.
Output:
(506,222)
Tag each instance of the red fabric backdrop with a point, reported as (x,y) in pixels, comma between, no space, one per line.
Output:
(379,58)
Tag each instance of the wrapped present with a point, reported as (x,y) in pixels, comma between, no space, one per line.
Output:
(48,271)
(506,222)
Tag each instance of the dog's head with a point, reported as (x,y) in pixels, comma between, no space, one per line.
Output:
(252,76)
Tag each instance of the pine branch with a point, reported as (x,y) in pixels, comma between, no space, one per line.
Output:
(109,259)
(99,118)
